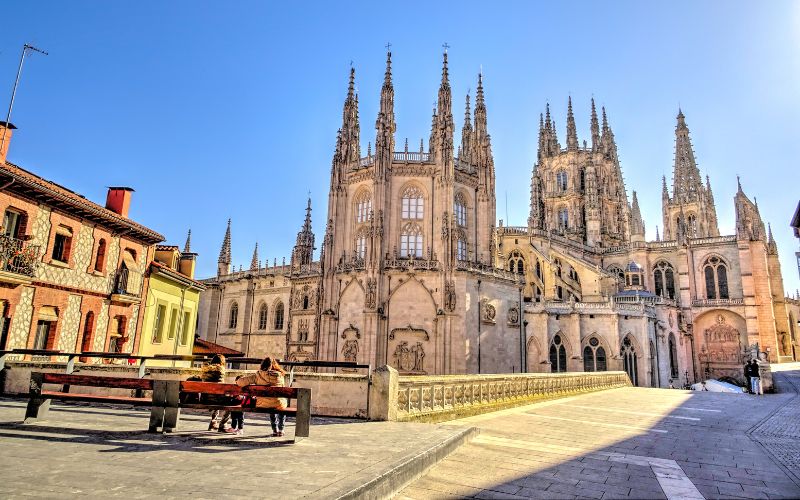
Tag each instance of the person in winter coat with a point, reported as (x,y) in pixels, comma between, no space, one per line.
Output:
(270,373)
(214,371)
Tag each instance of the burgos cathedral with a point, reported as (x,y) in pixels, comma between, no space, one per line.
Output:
(415,272)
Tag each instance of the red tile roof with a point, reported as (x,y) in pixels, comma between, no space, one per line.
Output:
(34,187)
(206,347)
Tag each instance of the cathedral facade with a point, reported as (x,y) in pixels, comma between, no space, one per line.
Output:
(414,273)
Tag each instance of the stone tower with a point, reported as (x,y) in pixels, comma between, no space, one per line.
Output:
(579,192)
(690,212)
(303,251)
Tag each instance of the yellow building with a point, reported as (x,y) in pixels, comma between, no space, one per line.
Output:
(170,312)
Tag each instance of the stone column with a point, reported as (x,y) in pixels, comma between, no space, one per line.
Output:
(383,394)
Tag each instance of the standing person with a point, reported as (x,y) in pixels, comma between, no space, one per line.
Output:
(748,375)
(270,373)
(755,377)
(214,371)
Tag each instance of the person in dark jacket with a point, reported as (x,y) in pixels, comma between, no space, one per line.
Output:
(748,371)
(214,371)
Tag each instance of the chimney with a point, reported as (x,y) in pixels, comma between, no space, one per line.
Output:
(119,200)
(6,130)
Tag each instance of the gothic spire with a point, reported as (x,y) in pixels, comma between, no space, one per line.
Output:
(187,248)
(225,252)
(664,190)
(385,124)
(254,260)
(444,121)
(303,251)
(658,237)
(351,130)
(595,129)
(686,182)
(772,247)
(466,133)
(542,138)
(637,224)
(572,132)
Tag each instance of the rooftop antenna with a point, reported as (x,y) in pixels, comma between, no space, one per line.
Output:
(25,49)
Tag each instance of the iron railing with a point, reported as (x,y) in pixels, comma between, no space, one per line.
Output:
(18,256)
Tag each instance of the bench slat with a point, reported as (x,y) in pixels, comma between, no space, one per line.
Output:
(96,398)
(234,390)
(97,381)
(285,411)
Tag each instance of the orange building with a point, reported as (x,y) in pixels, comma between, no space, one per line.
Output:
(71,271)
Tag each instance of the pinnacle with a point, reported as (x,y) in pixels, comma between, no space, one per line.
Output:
(187,248)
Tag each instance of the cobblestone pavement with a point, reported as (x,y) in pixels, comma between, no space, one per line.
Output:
(625,443)
(779,433)
(103,452)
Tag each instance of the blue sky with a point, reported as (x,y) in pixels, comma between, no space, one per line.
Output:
(213,112)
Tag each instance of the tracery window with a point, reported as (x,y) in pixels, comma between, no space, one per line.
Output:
(594,356)
(716,275)
(361,245)
(516,263)
(628,354)
(558,355)
(664,280)
(691,225)
(461,250)
(233,316)
(279,316)
(363,207)
(563,218)
(262,317)
(411,241)
(561,180)
(460,209)
(412,203)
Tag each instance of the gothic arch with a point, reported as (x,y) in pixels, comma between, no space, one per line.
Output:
(353,282)
(559,351)
(632,356)
(362,205)
(262,316)
(595,353)
(533,355)
(414,279)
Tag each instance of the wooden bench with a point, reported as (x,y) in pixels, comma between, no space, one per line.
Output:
(39,398)
(301,411)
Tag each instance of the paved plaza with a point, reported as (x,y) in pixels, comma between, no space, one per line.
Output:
(622,443)
(630,443)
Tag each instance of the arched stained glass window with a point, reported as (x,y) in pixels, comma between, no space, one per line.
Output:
(412,204)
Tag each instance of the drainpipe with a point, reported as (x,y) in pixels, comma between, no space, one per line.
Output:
(523,367)
(179,326)
(386,315)
(252,287)
(479,326)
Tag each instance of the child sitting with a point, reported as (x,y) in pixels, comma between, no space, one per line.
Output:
(237,417)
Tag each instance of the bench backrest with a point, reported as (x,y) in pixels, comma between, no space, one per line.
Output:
(235,390)
(97,381)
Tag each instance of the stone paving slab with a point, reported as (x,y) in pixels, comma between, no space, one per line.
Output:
(92,451)
(622,443)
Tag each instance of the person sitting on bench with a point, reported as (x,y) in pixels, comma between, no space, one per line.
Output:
(214,371)
(271,374)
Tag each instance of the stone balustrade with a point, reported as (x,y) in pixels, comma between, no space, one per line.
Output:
(717,302)
(445,397)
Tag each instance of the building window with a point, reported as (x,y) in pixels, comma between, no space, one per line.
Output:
(173,324)
(279,316)
(88,330)
(233,316)
(262,317)
(62,244)
(44,329)
(14,224)
(461,251)
(594,356)
(516,263)
(716,275)
(558,355)
(305,301)
(158,324)
(412,204)
(664,280)
(561,181)
(563,219)
(361,246)
(100,256)
(411,241)
(460,209)
(691,225)
(628,354)
(186,328)
(673,357)
(363,207)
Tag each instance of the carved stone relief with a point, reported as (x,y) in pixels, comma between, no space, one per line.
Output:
(489,313)
(723,342)
(408,356)
(513,316)
(450,296)
(370,297)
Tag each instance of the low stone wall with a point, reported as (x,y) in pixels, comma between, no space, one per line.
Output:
(335,395)
(438,398)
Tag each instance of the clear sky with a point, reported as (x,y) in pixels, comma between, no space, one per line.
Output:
(214,110)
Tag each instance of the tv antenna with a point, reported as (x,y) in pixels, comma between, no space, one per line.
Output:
(25,49)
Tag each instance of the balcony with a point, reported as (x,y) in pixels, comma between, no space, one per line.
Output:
(127,286)
(18,260)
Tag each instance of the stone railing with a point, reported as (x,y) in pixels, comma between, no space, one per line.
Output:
(713,240)
(350,265)
(411,264)
(445,397)
(717,302)
(412,157)
(486,270)
(516,230)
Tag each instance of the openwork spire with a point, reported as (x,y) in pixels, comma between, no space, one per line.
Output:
(637,223)
(385,125)
(595,129)
(254,260)
(444,122)
(686,183)
(303,251)
(225,252)
(187,247)
(572,132)
(466,133)
(351,129)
